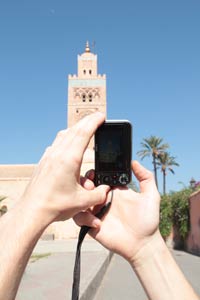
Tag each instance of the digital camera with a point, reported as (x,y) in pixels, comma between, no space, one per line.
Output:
(113,143)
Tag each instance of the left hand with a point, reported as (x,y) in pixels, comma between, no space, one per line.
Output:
(54,192)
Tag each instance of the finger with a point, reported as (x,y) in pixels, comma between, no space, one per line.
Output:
(145,178)
(59,137)
(93,197)
(90,174)
(83,132)
(87,219)
(96,209)
(82,180)
(86,183)
(75,139)
(48,150)
(87,121)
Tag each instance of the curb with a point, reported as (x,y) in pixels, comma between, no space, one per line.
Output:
(88,291)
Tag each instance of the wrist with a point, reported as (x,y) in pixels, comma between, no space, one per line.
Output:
(151,247)
(159,274)
(32,213)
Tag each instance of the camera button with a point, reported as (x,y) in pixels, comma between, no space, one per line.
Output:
(106,179)
(123,179)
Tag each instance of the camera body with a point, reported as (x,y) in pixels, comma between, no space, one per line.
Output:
(113,148)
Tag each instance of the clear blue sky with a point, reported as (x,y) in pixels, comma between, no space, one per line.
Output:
(149,50)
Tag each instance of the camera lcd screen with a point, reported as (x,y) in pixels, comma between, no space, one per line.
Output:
(111,149)
(113,153)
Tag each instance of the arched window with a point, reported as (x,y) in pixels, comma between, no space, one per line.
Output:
(90,72)
(84,71)
(83,97)
(90,97)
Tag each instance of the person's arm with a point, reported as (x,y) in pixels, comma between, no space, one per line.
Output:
(20,229)
(131,229)
(159,274)
(53,194)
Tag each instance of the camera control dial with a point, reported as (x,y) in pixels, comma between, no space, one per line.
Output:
(123,179)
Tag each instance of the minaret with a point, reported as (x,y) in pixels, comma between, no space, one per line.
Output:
(87,89)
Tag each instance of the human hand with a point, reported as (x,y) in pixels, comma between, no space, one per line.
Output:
(133,219)
(54,192)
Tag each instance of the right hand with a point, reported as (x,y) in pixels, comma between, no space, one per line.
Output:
(133,219)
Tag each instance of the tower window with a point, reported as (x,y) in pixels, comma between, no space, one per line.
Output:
(84,71)
(83,97)
(90,72)
(90,97)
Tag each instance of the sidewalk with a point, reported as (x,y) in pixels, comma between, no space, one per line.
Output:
(50,277)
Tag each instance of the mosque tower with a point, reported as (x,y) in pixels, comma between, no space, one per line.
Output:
(87,89)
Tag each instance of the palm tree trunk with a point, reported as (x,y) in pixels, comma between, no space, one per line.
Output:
(164,182)
(155,170)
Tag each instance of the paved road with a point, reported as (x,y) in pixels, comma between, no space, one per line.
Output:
(121,283)
(50,278)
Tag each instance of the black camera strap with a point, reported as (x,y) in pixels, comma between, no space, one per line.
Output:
(77,266)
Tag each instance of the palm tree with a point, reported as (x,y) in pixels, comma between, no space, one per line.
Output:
(152,146)
(166,162)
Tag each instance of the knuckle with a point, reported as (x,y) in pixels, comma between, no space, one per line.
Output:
(74,159)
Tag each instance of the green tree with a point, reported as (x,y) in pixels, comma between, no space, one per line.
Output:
(174,211)
(166,163)
(152,146)
(166,216)
(181,214)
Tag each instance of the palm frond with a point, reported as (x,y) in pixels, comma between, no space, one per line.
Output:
(152,146)
(165,161)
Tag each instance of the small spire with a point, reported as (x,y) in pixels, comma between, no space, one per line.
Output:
(87,48)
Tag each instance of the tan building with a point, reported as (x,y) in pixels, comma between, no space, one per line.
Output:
(193,239)
(86,94)
(87,89)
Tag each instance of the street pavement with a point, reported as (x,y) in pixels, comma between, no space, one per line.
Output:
(50,278)
(102,278)
(120,282)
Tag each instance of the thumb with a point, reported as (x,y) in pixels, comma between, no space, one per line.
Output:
(88,219)
(94,197)
(145,178)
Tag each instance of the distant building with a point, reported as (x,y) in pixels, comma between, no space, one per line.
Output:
(86,94)
(87,89)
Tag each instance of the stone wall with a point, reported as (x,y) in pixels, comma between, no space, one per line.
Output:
(13,181)
(193,241)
